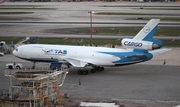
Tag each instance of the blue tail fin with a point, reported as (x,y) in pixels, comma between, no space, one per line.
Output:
(148,31)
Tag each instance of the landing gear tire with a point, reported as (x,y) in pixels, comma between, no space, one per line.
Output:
(33,67)
(97,68)
(101,68)
(83,72)
(80,72)
(93,70)
(18,67)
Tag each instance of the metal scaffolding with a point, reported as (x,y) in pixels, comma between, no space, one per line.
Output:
(36,88)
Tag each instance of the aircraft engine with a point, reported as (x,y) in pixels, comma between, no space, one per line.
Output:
(138,44)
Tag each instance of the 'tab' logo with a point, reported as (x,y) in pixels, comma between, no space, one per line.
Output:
(60,51)
(54,52)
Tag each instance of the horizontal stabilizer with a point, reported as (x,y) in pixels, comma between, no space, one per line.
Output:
(159,51)
(136,55)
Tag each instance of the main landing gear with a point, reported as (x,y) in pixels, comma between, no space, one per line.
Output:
(83,72)
(94,70)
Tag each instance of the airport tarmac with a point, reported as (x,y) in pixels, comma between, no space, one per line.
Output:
(147,83)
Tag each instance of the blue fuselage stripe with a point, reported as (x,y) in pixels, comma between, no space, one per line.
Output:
(130,57)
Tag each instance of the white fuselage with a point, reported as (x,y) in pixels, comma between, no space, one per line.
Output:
(91,55)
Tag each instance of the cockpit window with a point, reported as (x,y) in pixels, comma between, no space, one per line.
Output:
(16,49)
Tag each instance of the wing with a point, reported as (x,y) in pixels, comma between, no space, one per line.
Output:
(76,62)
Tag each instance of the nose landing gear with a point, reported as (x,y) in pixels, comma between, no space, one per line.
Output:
(33,67)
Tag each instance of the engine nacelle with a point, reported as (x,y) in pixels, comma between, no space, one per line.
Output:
(137,44)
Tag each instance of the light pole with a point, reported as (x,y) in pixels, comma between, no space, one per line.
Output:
(90,12)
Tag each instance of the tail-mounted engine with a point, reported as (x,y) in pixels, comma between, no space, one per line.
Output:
(137,44)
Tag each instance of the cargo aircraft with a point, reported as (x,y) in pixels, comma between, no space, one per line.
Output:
(139,49)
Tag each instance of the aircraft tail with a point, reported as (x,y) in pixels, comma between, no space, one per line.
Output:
(144,39)
(148,31)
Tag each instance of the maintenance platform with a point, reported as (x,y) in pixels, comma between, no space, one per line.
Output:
(37,87)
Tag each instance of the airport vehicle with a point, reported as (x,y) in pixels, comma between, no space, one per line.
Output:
(2,44)
(1,54)
(139,49)
(14,66)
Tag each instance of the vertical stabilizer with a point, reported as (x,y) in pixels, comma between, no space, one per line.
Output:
(147,32)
